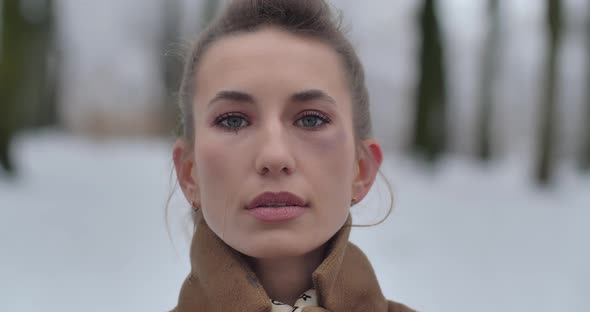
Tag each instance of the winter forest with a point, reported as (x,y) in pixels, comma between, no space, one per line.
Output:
(485,79)
(482,108)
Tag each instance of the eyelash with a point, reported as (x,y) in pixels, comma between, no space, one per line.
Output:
(223,117)
(322,117)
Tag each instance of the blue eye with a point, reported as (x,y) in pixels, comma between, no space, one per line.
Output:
(312,120)
(231,121)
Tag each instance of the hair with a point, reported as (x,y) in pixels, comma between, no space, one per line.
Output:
(309,18)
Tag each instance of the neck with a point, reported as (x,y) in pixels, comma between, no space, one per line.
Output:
(284,279)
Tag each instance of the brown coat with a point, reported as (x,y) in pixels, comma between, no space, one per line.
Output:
(221,281)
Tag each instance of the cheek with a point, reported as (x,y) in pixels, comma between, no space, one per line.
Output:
(214,166)
(217,174)
(333,159)
(337,148)
(337,142)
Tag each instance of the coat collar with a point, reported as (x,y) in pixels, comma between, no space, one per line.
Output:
(221,280)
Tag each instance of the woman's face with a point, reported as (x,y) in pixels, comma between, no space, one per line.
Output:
(272,113)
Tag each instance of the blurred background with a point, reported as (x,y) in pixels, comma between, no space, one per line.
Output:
(482,107)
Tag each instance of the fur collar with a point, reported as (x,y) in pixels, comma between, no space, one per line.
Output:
(221,280)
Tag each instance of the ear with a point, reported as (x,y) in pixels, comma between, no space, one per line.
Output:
(367,166)
(184,164)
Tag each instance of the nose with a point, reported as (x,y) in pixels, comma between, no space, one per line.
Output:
(274,156)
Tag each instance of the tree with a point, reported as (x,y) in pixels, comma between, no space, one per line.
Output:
(547,125)
(49,58)
(585,152)
(430,135)
(210,8)
(171,61)
(171,65)
(11,62)
(488,76)
(27,89)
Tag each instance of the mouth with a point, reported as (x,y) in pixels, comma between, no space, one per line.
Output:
(276,207)
(275,200)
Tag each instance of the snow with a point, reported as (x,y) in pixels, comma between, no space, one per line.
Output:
(82,229)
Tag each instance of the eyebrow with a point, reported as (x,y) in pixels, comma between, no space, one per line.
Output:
(311,95)
(235,96)
(302,96)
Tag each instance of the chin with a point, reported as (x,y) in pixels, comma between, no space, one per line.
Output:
(275,248)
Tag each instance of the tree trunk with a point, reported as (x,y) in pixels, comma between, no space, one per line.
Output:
(546,140)
(26,84)
(430,135)
(210,8)
(585,152)
(172,65)
(50,60)
(170,61)
(488,77)
(11,76)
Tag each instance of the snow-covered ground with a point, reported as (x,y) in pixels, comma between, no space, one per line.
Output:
(82,229)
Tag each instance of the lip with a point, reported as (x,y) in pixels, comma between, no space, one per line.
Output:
(281,197)
(295,207)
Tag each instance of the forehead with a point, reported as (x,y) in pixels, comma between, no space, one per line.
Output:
(271,59)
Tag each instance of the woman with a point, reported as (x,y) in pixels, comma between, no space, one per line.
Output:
(276,147)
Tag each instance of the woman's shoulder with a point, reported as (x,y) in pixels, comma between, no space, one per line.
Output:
(393,306)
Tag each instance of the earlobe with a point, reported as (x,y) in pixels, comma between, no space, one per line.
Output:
(368,164)
(184,164)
